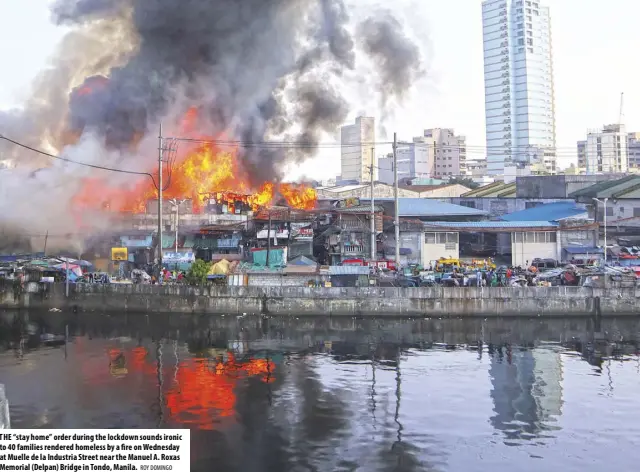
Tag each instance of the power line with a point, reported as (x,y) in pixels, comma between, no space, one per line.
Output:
(71,161)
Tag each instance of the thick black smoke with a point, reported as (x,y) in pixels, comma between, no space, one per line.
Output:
(396,58)
(260,68)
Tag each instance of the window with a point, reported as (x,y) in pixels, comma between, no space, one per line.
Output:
(530,238)
(636,212)
(520,41)
(452,238)
(609,211)
(529,41)
(531,51)
(430,238)
(518,237)
(521,33)
(536,13)
(441,238)
(529,19)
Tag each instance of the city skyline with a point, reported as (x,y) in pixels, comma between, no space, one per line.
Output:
(452,92)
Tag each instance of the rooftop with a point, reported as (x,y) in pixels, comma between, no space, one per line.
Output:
(625,187)
(424,207)
(548,212)
(495,225)
(495,189)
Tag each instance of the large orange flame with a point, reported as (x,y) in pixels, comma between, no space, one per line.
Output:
(203,171)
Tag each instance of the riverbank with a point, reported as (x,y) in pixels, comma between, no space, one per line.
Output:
(300,301)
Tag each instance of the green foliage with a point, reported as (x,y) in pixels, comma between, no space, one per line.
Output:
(467,182)
(197,274)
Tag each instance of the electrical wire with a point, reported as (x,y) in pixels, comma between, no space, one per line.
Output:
(71,161)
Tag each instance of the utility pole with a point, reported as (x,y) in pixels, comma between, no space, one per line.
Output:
(160,149)
(66,282)
(268,239)
(176,203)
(395,195)
(46,237)
(373,213)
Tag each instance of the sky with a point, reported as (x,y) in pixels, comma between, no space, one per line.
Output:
(593,51)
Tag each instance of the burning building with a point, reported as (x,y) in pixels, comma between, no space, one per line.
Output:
(248,87)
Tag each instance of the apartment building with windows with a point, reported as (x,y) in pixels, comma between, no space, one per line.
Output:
(448,152)
(519,89)
(607,150)
(357,152)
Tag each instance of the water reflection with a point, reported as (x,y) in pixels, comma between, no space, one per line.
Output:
(331,394)
(526,391)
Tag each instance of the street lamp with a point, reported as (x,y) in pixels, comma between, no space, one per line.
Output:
(604,206)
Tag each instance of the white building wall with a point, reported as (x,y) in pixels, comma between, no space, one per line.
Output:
(432,251)
(525,247)
(607,150)
(357,150)
(519,96)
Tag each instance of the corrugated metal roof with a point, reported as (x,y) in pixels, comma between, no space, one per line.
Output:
(345,188)
(583,250)
(549,212)
(360,209)
(490,224)
(348,270)
(424,207)
(608,188)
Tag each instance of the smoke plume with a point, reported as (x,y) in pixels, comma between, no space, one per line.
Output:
(255,69)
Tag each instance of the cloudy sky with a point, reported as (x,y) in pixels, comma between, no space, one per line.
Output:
(594,61)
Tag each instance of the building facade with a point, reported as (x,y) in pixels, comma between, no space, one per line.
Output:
(357,152)
(633,150)
(519,89)
(448,152)
(606,150)
(582,155)
(415,160)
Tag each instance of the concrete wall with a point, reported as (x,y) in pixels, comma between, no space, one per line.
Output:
(299,301)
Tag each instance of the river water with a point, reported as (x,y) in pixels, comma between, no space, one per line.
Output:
(306,394)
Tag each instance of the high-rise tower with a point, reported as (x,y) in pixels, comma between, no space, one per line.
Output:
(518,81)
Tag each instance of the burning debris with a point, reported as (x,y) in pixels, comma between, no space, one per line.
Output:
(229,74)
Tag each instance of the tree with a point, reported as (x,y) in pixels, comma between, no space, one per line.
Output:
(198,272)
(466,181)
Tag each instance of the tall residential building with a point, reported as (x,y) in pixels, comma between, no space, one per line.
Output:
(518,81)
(582,155)
(415,160)
(606,150)
(449,152)
(357,150)
(633,141)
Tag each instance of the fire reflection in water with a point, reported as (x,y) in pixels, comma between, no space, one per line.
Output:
(200,392)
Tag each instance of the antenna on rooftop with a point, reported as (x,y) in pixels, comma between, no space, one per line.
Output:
(621,109)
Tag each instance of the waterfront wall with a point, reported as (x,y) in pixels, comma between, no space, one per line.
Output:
(423,301)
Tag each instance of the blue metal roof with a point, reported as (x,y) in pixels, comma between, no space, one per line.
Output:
(490,224)
(549,212)
(428,207)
